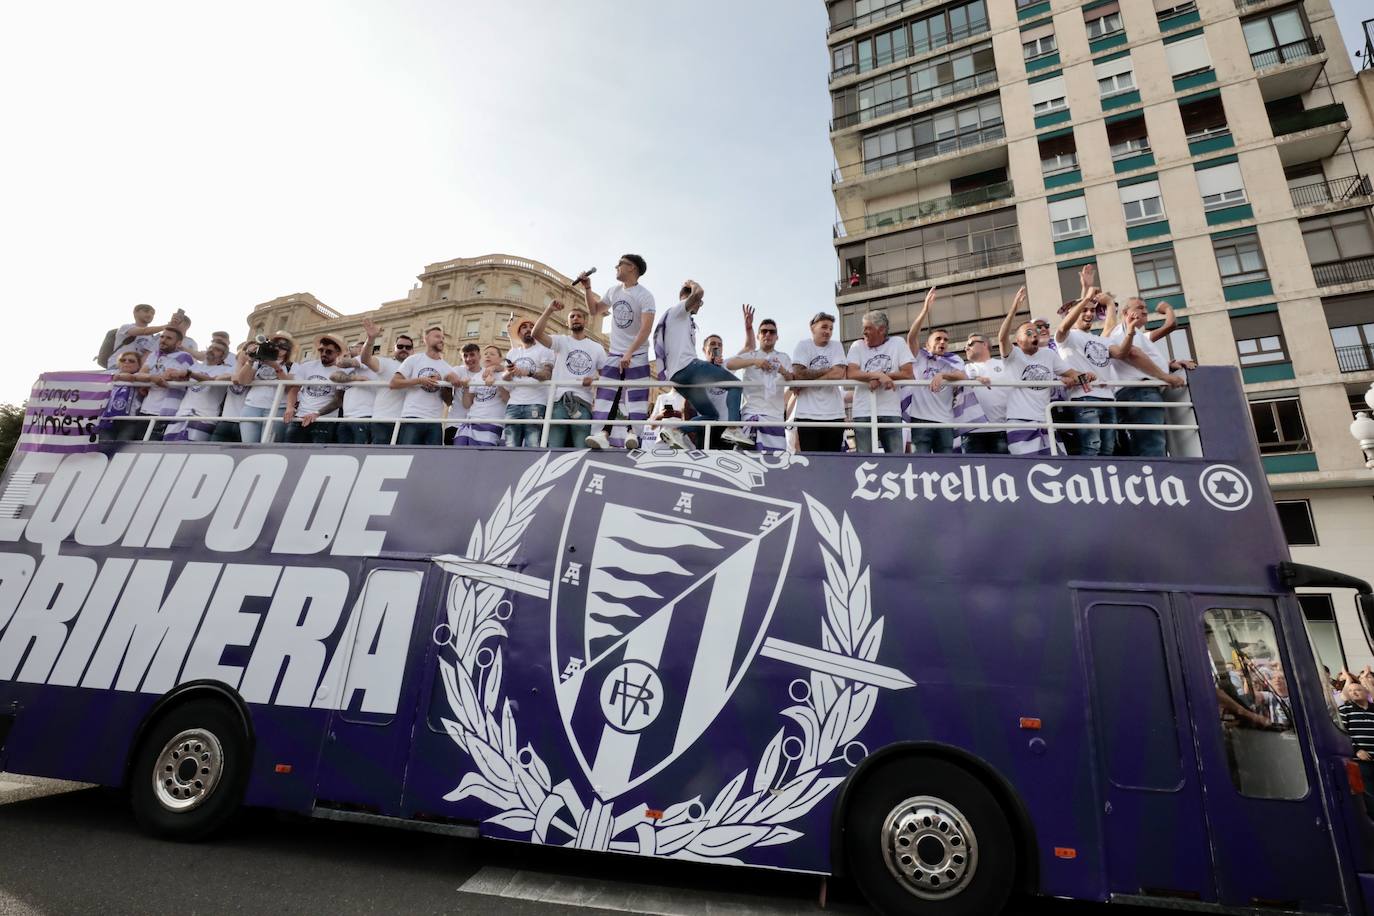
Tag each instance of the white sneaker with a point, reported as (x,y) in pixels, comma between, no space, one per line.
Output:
(597,441)
(739,436)
(631,442)
(674,437)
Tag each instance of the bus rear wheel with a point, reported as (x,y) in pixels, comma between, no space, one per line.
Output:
(924,836)
(188,773)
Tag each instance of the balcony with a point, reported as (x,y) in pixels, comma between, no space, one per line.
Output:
(1307,136)
(1290,69)
(926,209)
(961,154)
(1333,191)
(930,270)
(872,16)
(916,99)
(1359,358)
(914,51)
(1339,273)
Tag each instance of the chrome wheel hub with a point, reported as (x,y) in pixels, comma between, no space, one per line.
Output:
(187,770)
(929,847)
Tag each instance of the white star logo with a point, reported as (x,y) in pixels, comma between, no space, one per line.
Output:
(1225,487)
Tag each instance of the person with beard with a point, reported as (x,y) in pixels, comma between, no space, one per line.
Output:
(934,401)
(203,403)
(169,363)
(307,403)
(527,365)
(577,363)
(1028,361)
(422,376)
(384,402)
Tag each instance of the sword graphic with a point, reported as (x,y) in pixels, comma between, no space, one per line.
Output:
(826,662)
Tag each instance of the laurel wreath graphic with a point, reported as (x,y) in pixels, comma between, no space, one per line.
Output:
(796,770)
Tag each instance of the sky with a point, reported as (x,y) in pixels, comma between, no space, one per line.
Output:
(214,157)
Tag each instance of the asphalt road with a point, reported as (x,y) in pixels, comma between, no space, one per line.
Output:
(68,849)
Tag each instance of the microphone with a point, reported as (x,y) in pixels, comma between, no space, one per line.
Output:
(584,275)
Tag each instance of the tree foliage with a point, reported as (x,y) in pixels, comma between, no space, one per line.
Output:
(11,421)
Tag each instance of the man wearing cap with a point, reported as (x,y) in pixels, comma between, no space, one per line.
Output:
(260,374)
(528,364)
(306,403)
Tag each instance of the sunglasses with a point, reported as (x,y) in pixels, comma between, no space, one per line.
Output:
(405,346)
(768,330)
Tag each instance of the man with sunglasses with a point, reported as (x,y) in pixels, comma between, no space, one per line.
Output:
(932,402)
(631,308)
(675,343)
(316,398)
(814,358)
(765,395)
(1085,352)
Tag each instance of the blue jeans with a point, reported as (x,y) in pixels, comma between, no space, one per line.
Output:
(251,430)
(1091,442)
(226,431)
(700,372)
(523,434)
(1144,443)
(421,434)
(994,443)
(314,434)
(928,440)
(570,407)
(890,438)
(353,431)
(381,433)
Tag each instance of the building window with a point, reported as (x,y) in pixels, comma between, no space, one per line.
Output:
(1296,517)
(977,306)
(1048,95)
(1272,33)
(1240,259)
(1320,616)
(1142,203)
(1156,274)
(1167,9)
(954,23)
(1340,247)
(443,291)
(473,328)
(1114,77)
(1103,21)
(1069,281)
(1038,41)
(1128,138)
(1259,339)
(920,253)
(945,131)
(1221,186)
(479,288)
(1351,321)
(1058,155)
(1204,119)
(1178,345)
(938,77)
(842,60)
(1187,56)
(1069,218)
(1279,428)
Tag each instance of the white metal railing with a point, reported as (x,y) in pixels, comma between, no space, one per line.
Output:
(872,423)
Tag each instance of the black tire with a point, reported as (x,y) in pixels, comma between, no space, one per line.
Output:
(202,778)
(983,879)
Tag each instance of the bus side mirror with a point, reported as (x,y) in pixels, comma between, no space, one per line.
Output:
(1365,604)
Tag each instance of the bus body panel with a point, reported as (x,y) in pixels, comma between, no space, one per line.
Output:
(676,654)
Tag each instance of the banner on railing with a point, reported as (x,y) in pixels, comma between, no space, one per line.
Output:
(63,411)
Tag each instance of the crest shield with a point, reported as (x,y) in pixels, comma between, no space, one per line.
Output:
(662,596)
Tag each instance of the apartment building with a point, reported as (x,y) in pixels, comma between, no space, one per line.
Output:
(1212,153)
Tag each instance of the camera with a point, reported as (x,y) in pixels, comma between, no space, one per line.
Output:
(264,349)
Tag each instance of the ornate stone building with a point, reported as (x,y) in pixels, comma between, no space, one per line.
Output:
(470,298)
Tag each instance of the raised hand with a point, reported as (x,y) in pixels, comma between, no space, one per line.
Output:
(1086,276)
(748,316)
(371,328)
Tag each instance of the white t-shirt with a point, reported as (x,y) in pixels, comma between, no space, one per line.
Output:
(158,362)
(144,344)
(1086,352)
(358,400)
(935,406)
(667,399)
(315,397)
(387,401)
(234,397)
(574,360)
(765,393)
(525,391)
(204,400)
(456,411)
(819,403)
(486,399)
(889,357)
(679,339)
(993,400)
(629,305)
(261,395)
(419,403)
(1141,341)
(1042,366)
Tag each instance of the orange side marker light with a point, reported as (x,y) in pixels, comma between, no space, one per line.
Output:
(1030,723)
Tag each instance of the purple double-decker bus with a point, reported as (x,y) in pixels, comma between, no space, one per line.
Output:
(952,678)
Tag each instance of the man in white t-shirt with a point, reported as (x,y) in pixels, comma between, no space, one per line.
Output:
(933,402)
(166,364)
(631,308)
(262,368)
(306,403)
(577,364)
(985,403)
(766,369)
(1025,360)
(1141,359)
(880,361)
(675,345)
(234,396)
(425,378)
(815,358)
(1085,351)
(667,406)
(529,364)
(203,403)
(140,336)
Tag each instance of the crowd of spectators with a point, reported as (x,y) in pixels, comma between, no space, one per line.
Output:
(972,402)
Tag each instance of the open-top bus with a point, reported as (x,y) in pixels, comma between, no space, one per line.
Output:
(950,677)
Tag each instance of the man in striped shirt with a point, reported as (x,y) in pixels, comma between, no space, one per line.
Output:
(1357,717)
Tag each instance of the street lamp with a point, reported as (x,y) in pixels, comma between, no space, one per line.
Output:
(1363,429)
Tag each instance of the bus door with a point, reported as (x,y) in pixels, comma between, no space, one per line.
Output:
(1154,833)
(1271,837)
(375,691)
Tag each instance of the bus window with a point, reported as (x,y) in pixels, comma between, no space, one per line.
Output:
(1256,712)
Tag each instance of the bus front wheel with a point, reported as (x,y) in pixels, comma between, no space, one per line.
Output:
(924,836)
(188,772)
